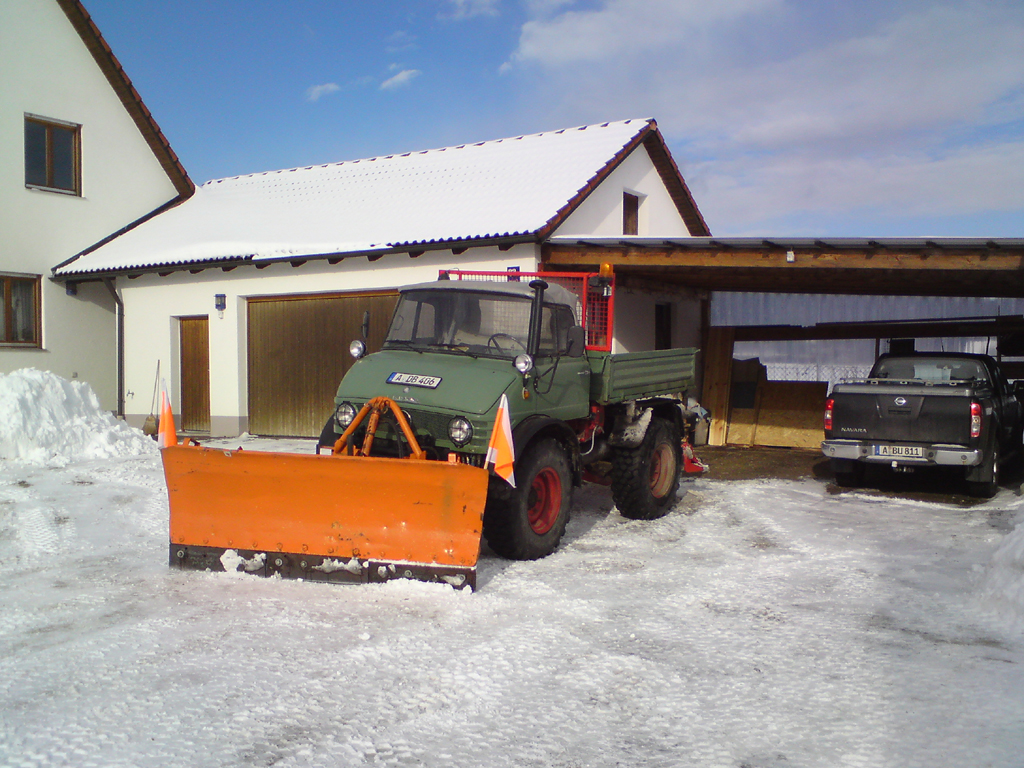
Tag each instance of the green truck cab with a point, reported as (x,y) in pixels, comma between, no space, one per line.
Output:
(577,412)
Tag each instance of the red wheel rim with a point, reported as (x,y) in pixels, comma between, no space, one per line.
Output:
(662,471)
(545,500)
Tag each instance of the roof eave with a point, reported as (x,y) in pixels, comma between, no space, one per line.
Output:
(226,263)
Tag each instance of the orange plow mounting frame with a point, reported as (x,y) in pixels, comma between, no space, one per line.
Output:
(339,518)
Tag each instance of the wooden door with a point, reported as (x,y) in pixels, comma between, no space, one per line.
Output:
(195,373)
(298,352)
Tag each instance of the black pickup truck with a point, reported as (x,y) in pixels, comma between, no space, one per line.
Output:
(926,409)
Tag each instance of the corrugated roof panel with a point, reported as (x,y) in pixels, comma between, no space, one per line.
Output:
(500,188)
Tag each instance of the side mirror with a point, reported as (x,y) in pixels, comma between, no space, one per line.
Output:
(576,341)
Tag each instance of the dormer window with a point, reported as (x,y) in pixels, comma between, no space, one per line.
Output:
(52,155)
(630,214)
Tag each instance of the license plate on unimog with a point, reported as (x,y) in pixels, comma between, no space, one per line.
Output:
(414,380)
(900,451)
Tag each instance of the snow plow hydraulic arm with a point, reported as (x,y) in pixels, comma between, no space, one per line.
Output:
(376,407)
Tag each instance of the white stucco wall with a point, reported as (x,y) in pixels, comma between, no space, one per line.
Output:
(153,305)
(48,72)
(600,215)
(634,320)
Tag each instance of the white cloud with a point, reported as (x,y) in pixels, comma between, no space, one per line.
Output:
(740,196)
(465,9)
(626,28)
(404,77)
(774,105)
(400,41)
(315,92)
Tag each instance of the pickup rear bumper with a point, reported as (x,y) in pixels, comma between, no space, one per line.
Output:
(879,452)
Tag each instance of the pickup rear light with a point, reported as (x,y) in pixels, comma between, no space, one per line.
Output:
(975,419)
(829,404)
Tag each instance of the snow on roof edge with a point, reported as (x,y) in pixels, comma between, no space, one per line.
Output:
(645,120)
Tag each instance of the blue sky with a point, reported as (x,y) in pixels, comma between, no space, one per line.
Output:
(786,117)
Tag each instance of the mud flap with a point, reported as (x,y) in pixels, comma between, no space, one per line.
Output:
(325,518)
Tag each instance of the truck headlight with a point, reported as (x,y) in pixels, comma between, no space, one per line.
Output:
(524,363)
(357,349)
(460,431)
(344,414)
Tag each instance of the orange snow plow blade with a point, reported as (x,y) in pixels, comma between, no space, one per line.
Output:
(324,518)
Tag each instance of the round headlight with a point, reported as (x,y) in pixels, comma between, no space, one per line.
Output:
(357,349)
(524,363)
(460,431)
(344,414)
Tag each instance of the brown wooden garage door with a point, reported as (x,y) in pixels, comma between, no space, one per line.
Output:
(298,352)
(194,334)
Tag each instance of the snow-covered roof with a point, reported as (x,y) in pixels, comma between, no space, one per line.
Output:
(515,187)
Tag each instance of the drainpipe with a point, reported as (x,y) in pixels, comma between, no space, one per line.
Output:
(109,282)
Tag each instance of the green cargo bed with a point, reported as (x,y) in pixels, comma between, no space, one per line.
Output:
(636,375)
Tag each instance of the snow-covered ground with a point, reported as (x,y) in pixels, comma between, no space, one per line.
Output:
(761,623)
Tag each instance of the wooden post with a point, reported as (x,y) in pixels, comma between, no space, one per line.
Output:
(718,381)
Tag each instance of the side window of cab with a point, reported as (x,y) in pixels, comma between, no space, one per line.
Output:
(556,321)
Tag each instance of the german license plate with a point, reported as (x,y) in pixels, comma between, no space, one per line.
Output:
(900,451)
(414,380)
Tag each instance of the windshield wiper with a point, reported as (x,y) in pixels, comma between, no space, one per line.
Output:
(463,348)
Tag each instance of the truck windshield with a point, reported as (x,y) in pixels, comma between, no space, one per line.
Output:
(934,369)
(474,323)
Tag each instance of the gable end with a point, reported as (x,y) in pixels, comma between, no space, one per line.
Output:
(667,169)
(122,85)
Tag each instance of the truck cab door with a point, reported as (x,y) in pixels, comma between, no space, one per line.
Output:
(559,384)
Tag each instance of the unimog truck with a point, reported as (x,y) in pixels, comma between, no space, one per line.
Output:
(405,488)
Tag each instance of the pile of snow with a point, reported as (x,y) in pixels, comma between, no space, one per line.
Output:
(47,420)
(1004,582)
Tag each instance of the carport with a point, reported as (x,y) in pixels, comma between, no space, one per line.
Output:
(748,409)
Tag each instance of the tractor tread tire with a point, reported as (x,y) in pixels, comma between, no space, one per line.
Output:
(631,472)
(507,526)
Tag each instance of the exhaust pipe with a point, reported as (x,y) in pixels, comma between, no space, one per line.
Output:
(539,286)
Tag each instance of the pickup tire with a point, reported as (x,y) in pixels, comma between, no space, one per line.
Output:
(986,489)
(848,474)
(527,522)
(327,435)
(645,478)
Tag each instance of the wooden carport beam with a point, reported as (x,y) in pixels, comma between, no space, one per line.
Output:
(847,266)
(776,257)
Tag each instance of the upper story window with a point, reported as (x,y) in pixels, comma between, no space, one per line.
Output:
(52,155)
(20,321)
(630,214)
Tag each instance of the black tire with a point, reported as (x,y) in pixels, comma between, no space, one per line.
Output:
(528,521)
(848,474)
(986,489)
(327,435)
(645,478)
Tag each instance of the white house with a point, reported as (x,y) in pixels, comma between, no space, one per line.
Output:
(248,293)
(80,160)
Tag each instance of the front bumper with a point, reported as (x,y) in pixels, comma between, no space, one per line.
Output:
(935,454)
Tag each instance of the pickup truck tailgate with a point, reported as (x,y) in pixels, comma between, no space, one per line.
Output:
(912,414)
